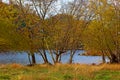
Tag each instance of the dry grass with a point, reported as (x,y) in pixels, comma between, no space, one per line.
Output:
(110,67)
(16,65)
(59,72)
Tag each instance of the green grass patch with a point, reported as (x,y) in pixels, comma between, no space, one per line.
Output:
(58,72)
(107,75)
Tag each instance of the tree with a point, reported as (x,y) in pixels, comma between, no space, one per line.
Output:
(83,13)
(28,26)
(43,9)
(102,31)
(60,36)
(10,39)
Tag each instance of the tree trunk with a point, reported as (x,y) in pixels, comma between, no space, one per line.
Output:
(119,57)
(60,58)
(103,57)
(33,58)
(113,59)
(45,56)
(71,56)
(29,59)
(57,58)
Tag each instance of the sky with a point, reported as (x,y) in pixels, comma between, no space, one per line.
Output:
(6,1)
(61,1)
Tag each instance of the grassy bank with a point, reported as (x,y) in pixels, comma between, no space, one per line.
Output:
(60,72)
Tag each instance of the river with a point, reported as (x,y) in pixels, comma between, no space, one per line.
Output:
(22,58)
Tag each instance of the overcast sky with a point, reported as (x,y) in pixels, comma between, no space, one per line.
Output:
(61,1)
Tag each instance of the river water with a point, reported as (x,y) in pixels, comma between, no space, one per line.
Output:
(22,58)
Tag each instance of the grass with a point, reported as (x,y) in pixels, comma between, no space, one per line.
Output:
(60,72)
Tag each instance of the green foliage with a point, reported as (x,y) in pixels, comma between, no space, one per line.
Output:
(102,33)
(11,40)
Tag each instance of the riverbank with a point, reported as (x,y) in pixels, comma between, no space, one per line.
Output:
(60,72)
